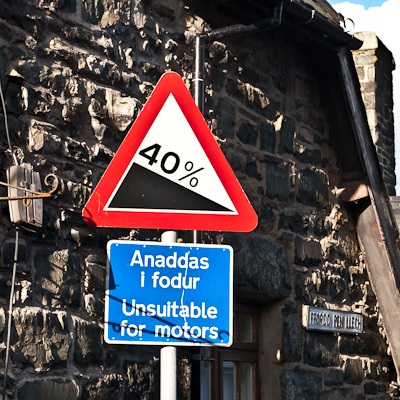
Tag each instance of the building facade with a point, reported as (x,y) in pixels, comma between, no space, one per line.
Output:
(75,74)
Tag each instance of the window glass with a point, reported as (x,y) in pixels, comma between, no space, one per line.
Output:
(246,381)
(246,327)
(205,391)
(229,381)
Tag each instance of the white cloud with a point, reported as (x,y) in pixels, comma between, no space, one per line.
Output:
(384,21)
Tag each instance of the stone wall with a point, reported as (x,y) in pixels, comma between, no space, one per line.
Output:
(375,63)
(75,73)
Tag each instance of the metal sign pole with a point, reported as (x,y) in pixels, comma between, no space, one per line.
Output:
(168,362)
(199,101)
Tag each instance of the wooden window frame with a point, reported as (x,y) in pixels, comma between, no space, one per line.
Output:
(239,352)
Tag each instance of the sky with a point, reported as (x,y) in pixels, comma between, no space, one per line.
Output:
(383,18)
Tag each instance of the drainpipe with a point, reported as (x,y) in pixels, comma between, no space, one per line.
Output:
(201,41)
(376,227)
(230,31)
(378,194)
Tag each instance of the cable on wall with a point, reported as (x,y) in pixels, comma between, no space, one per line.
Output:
(3,103)
(10,309)
(15,259)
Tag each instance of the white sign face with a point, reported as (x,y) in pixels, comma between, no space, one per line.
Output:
(321,319)
(177,156)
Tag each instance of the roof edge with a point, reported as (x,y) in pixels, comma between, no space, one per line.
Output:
(309,17)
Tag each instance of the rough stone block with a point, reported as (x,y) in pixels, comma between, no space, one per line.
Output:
(8,250)
(2,319)
(249,75)
(293,221)
(5,285)
(14,98)
(287,131)
(232,88)
(370,388)
(77,150)
(301,385)
(307,252)
(217,52)
(252,169)
(307,155)
(365,344)
(341,394)
(267,136)
(45,137)
(353,371)
(86,37)
(95,273)
(165,11)
(74,195)
(57,277)
(41,338)
(92,11)
(261,267)
(248,134)
(292,335)
(143,379)
(313,188)
(302,285)
(321,226)
(334,377)
(364,59)
(321,349)
(93,305)
(44,105)
(272,112)
(67,5)
(217,75)
(226,113)
(237,160)
(48,389)
(108,387)
(337,286)
(266,220)
(88,345)
(281,74)
(277,181)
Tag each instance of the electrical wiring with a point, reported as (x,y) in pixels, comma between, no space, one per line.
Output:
(3,103)
(15,261)
(10,308)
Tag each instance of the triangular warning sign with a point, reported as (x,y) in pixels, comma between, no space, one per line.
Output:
(169,172)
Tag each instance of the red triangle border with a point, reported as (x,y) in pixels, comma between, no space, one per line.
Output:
(93,212)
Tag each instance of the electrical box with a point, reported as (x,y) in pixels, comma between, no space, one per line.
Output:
(26,212)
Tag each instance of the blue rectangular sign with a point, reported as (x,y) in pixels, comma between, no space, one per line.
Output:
(180,294)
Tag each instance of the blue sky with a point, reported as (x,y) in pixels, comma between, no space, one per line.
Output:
(366,3)
(381,17)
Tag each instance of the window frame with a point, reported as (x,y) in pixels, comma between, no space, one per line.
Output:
(240,352)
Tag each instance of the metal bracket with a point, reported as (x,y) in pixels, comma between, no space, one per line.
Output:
(25,196)
(36,194)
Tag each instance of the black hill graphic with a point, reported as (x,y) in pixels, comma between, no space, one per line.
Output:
(145,189)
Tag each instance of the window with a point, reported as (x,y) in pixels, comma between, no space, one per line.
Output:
(231,373)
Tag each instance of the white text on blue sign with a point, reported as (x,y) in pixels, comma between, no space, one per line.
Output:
(178,293)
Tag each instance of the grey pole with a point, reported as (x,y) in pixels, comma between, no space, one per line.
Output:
(168,363)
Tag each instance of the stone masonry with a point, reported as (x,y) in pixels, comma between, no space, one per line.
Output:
(75,74)
(375,63)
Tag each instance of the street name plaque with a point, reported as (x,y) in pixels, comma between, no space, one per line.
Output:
(322,319)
